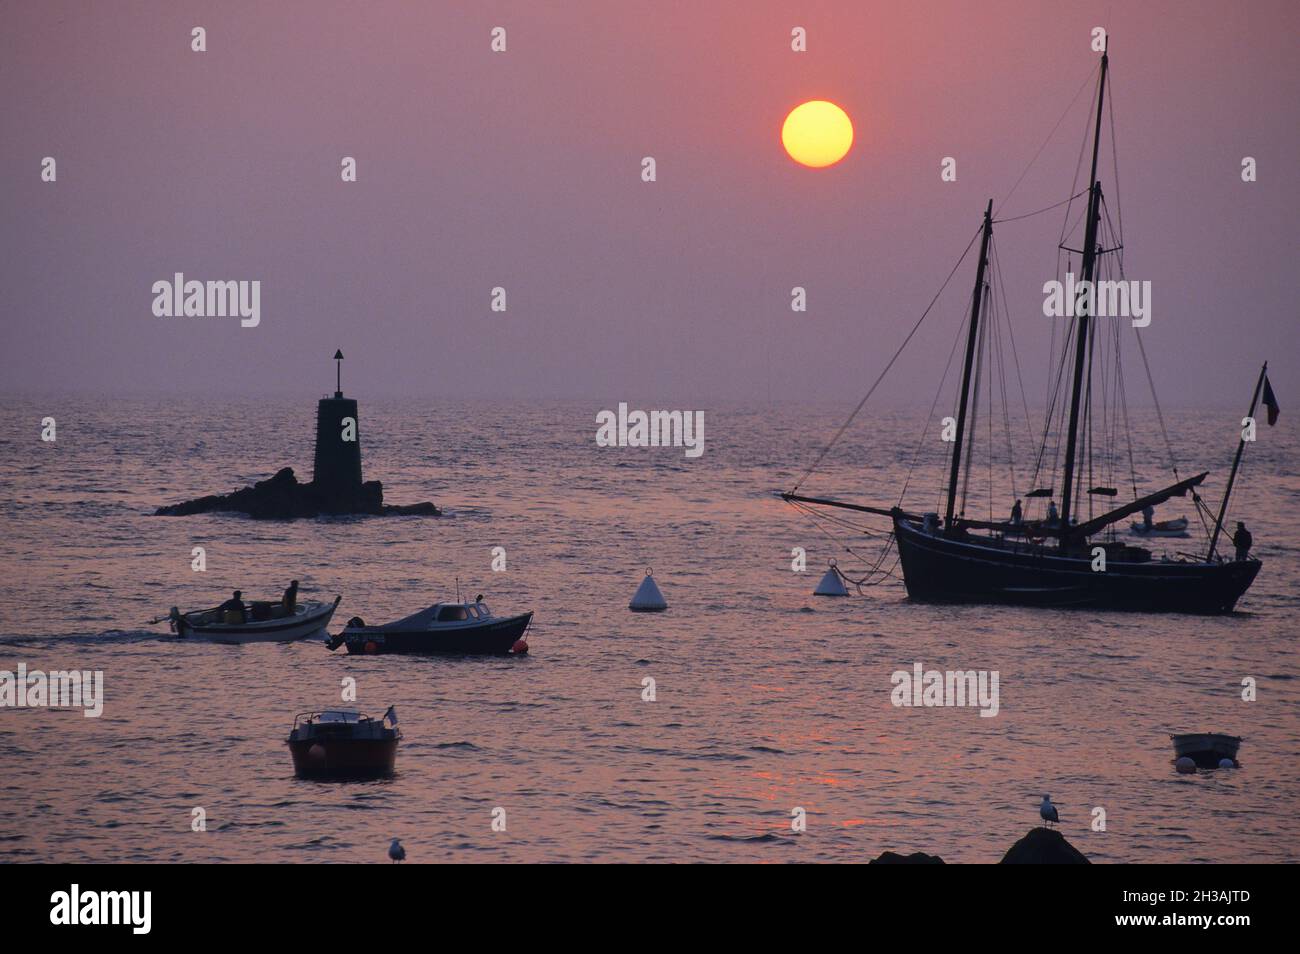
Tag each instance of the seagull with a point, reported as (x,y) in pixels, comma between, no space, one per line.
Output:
(396,851)
(1046,811)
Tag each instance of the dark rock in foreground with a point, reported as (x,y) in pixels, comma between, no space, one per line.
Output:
(1043,846)
(282,497)
(915,858)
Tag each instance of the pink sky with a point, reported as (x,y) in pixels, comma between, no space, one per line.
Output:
(522,170)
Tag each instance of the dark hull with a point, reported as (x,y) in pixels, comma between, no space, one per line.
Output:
(1206,749)
(943,570)
(343,758)
(495,637)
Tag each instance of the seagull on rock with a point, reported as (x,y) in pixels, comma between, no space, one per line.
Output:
(1046,811)
(396,851)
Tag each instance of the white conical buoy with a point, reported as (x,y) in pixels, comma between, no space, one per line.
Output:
(647,598)
(831,584)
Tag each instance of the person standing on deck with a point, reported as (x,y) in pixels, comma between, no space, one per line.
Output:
(1147,513)
(1016,513)
(1053,515)
(1243,541)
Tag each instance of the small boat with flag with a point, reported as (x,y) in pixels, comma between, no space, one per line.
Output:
(463,628)
(262,622)
(1068,553)
(344,744)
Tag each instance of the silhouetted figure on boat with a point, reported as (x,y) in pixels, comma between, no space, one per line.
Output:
(1148,513)
(1243,541)
(234,605)
(1053,515)
(290,598)
(1016,513)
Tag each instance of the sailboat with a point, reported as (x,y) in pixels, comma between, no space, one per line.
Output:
(1071,558)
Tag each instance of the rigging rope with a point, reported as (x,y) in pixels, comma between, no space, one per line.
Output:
(1048,139)
(1016,218)
(845,426)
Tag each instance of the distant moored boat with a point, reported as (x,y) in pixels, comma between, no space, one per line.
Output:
(1206,749)
(343,743)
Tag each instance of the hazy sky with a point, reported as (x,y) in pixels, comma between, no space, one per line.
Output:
(522,169)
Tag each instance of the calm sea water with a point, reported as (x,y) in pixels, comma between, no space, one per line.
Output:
(768,699)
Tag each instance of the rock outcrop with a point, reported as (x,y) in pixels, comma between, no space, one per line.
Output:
(282,497)
(1043,846)
(915,858)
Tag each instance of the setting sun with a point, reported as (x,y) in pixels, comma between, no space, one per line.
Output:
(817,134)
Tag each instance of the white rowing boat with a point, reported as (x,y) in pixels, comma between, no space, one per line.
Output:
(1161,528)
(308,618)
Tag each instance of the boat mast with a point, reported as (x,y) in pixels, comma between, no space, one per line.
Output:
(1236,462)
(970,359)
(1083,314)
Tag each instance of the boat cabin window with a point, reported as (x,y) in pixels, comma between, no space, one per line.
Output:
(450,614)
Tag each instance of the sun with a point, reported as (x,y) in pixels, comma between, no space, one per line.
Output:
(817,134)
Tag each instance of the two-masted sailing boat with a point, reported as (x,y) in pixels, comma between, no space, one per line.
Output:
(1070,558)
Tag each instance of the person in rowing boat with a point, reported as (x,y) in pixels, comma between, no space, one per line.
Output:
(232,610)
(290,598)
(1243,541)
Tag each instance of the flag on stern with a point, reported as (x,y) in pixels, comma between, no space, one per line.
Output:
(1270,402)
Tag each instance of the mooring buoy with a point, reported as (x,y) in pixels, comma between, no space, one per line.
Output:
(647,598)
(832,584)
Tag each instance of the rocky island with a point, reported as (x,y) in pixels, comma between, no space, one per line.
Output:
(336,487)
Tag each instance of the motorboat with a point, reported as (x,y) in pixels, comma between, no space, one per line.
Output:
(442,628)
(1161,528)
(344,743)
(264,622)
(1206,749)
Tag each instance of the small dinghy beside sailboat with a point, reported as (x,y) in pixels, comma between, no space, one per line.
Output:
(1161,528)
(442,628)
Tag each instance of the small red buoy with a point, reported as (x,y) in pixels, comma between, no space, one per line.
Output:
(520,647)
(372,647)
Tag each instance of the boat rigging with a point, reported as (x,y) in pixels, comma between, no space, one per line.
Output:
(1070,555)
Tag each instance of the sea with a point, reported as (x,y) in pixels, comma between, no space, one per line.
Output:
(751,722)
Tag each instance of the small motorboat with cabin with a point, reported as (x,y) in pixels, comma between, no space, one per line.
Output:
(442,628)
(344,744)
(1206,749)
(264,622)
